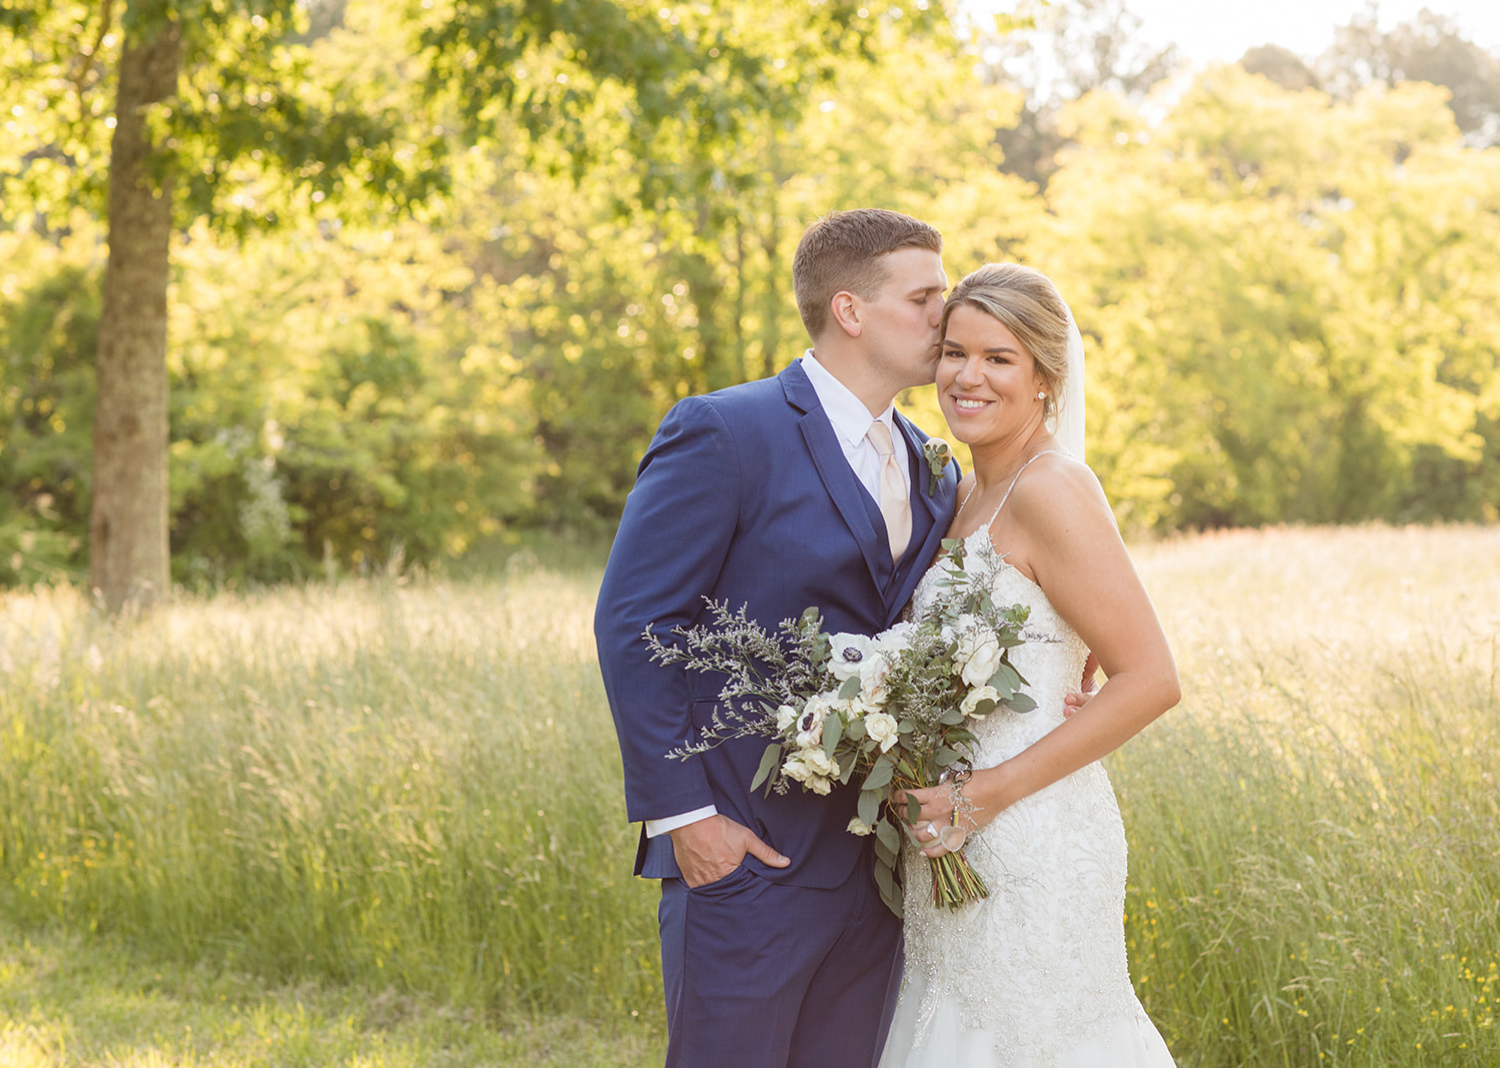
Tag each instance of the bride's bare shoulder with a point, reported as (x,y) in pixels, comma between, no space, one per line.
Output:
(1057,493)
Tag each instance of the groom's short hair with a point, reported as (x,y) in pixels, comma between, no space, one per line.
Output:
(842,252)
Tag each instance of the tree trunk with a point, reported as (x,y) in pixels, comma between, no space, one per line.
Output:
(128,524)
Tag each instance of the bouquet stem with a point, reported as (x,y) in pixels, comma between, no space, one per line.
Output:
(955,883)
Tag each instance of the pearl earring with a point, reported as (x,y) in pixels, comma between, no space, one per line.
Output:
(1041,396)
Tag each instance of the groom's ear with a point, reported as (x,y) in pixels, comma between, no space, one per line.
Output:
(845,311)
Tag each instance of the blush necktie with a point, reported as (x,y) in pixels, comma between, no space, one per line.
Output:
(895,505)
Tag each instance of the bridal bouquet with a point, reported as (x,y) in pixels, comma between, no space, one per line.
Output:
(893,710)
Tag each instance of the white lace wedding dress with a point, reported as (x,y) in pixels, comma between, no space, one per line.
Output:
(1034,976)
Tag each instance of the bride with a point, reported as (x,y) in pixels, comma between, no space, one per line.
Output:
(1034,976)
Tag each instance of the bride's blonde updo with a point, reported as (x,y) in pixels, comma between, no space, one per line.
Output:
(1027,302)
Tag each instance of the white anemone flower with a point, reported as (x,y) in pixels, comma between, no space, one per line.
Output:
(849,652)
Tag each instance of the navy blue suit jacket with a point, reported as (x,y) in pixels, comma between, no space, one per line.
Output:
(745,496)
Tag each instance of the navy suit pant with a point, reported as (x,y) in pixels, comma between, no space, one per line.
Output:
(764,975)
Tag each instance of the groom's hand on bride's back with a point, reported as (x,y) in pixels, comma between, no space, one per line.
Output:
(1086,689)
(710,849)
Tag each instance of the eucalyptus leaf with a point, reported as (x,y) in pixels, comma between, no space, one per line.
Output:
(888,834)
(894,902)
(850,689)
(833,730)
(869,806)
(768,762)
(880,774)
(885,879)
(1020,703)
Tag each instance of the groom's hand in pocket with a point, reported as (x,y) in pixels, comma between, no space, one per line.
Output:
(710,849)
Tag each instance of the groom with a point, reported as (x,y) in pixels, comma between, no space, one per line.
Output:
(807,489)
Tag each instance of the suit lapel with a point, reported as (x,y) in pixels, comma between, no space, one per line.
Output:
(834,470)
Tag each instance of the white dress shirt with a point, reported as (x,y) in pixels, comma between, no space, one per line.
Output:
(851,422)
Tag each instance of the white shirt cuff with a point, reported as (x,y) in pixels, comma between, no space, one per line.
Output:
(671,823)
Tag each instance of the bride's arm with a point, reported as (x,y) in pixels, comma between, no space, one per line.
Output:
(1065,534)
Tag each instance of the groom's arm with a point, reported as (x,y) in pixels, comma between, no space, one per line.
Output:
(675,534)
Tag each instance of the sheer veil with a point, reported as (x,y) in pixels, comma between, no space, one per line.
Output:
(1069,429)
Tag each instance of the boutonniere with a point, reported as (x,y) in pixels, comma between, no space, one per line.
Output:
(938,454)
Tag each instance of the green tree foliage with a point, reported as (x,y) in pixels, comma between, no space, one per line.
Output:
(1061,52)
(49,314)
(581,239)
(1287,294)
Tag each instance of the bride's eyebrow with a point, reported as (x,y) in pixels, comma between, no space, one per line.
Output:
(1004,350)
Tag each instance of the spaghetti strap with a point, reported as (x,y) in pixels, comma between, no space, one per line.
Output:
(1013,482)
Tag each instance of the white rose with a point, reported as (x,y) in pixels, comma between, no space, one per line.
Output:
(859,827)
(820,763)
(872,688)
(813,769)
(882,729)
(896,640)
(786,715)
(978,656)
(848,653)
(795,767)
(977,694)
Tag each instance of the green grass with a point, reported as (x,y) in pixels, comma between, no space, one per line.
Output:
(1315,832)
(377,794)
(82,1000)
(415,788)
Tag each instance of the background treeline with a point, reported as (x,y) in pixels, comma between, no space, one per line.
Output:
(1288,280)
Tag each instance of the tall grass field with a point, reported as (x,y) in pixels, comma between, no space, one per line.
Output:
(391,790)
